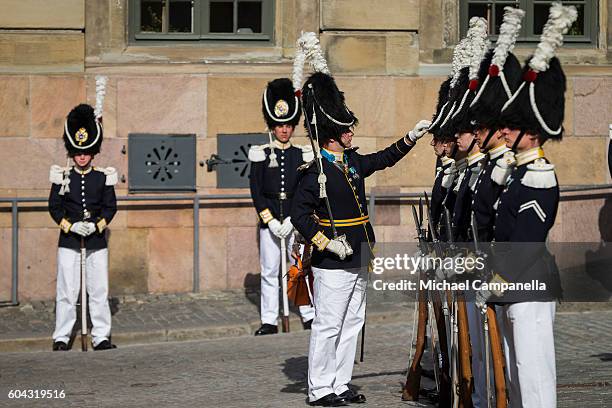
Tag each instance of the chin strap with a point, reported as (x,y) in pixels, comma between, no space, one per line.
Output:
(472,145)
(518,140)
(488,138)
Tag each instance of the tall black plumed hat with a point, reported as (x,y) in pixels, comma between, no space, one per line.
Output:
(325,109)
(499,74)
(544,117)
(279,104)
(538,104)
(82,131)
(441,107)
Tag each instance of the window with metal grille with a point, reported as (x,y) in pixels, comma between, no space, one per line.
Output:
(201,20)
(583,31)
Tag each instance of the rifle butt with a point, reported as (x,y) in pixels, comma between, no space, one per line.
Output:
(498,359)
(465,380)
(413,384)
(285,323)
(83,342)
(413,379)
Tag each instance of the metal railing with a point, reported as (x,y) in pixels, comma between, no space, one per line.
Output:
(588,192)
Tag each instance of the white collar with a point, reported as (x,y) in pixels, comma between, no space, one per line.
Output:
(474,158)
(282,146)
(446,161)
(529,155)
(87,170)
(497,151)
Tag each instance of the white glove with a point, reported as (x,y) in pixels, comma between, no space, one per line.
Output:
(449,175)
(91,228)
(419,130)
(82,228)
(340,248)
(286,228)
(275,227)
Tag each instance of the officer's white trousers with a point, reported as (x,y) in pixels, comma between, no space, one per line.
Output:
(68,287)
(476,329)
(529,348)
(270,260)
(339,298)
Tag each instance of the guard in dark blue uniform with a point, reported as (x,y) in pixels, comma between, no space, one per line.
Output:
(330,210)
(273,179)
(526,212)
(445,163)
(500,75)
(82,202)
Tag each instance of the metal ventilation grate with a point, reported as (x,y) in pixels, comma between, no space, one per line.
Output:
(161,162)
(233,165)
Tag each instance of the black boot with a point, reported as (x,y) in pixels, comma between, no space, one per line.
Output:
(60,346)
(352,397)
(104,345)
(330,400)
(266,329)
(307,325)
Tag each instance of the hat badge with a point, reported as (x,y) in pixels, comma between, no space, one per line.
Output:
(81,136)
(281,108)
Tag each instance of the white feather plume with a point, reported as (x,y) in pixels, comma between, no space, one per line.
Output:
(312,50)
(508,32)
(560,19)
(298,65)
(463,52)
(478,46)
(100,93)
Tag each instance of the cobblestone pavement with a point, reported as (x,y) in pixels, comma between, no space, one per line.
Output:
(155,318)
(271,371)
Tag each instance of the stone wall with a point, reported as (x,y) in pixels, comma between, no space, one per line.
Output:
(377,49)
(151,246)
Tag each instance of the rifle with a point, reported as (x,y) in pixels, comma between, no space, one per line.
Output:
(441,313)
(413,379)
(491,331)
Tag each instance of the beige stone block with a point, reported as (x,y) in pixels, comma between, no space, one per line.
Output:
(170,260)
(235,105)
(97,20)
(415,99)
(213,258)
(109,114)
(43,14)
(579,160)
(53,51)
(37,263)
(40,153)
(398,234)
(242,255)
(415,169)
(430,15)
(372,100)
(581,220)
(161,104)
(52,98)
(370,14)
(5,262)
(228,214)
(387,53)
(592,97)
(128,254)
(110,156)
(15,106)
(402,54)
(36,217)
(159,215)
(346,52)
